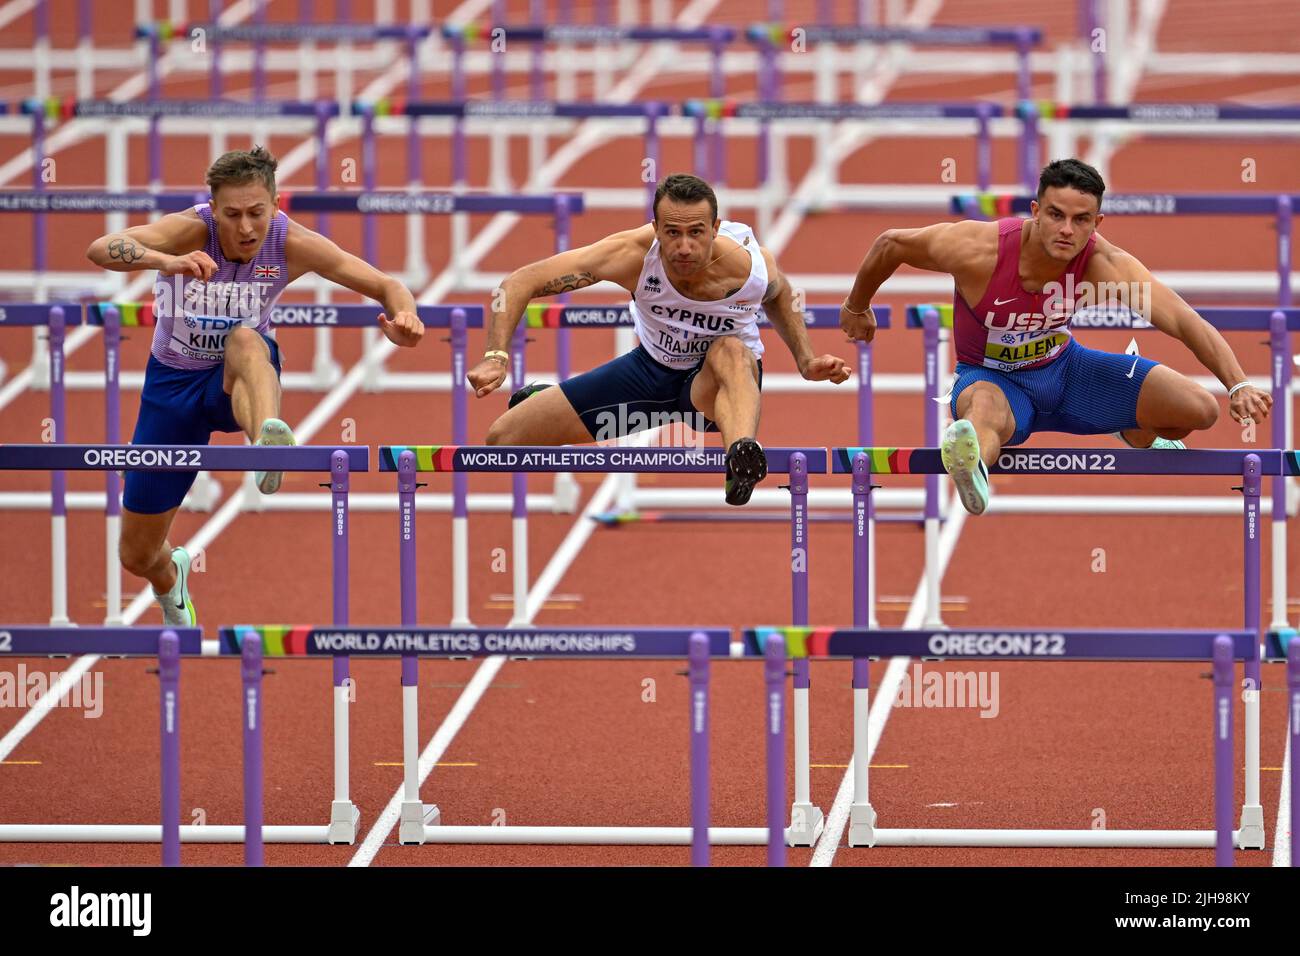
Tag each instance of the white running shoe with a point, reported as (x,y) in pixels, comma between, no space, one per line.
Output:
(178,609)
(1160,443)
(274,432)
(960,452)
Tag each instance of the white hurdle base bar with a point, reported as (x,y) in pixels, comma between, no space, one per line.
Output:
(1107,839)
(151,833)
(594,836)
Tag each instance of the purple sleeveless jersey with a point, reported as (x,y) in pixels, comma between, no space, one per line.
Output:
(194,317)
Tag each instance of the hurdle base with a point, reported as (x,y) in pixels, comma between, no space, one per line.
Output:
(1251,834)
(1085,839)
(862,825)
(416,816)
(345,819)
(593,836)
(806,825)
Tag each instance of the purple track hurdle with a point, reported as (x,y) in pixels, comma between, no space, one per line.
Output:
(251,673)
(696,645)
(339,462)
(1293,695)
(167,645)
(1007,644)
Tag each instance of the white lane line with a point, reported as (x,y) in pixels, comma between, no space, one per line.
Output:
(1283,838)
(47,702)
(883,704)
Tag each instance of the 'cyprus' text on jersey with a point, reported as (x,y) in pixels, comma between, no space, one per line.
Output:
(675,330)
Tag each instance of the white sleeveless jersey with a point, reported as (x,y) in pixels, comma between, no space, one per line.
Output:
(675,330)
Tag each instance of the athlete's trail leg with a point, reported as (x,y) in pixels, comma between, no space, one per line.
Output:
(985,407)
(1171,405)
(249,379)
(144,549)
(544,418)
(726,389)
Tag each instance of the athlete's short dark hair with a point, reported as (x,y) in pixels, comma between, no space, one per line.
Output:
(1071,173)
(685,188)
(241,167)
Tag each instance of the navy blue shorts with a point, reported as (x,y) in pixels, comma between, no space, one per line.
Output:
(178,407)
(1083,392)
(633,393)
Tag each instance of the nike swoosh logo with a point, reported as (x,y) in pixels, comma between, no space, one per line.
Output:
(1133,369)
(1004,301)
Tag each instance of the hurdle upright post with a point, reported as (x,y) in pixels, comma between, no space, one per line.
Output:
(411,829)
(805,819)
(58,479)
(865,521)
(112,481)
(1278,340)
(343,814)
(169,675)
(1252,812)
(459,479)
(983,147)
(1223,795)
(933,617)
(862,818)
(251,718)
(565,490)
(519,496)
(698,675)
(774,722)
(1293,692)
(718,37)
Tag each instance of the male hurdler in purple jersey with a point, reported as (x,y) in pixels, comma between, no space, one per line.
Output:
(195,317)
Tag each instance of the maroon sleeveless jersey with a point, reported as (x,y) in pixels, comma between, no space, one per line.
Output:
(1011,329)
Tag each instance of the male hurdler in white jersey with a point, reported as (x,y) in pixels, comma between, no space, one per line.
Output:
(697,286)
(212,367)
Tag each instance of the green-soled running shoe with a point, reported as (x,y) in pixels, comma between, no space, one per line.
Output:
(960,452)
(178,609)
(1159,443)
(274,432)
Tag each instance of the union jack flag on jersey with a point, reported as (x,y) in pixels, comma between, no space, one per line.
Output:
(266,272)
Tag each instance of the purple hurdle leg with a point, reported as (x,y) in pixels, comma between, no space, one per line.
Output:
(717,90)
(58,479)
(561,224)
(698,671)
(214,70)
(519,497)
(933,617)
(251,668)
(1293,689)
(1278,340)
(866,439)
(1223,667)
(459,480)
(1252,812)
(861,817)
(412,814)
(983,149)
(343,815)
(774,721)
(169,678)
(112,481)
(861,542)
(1284,212)
(805,819)
(651,143)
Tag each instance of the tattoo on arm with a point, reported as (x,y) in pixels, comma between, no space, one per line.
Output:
(126,250)
(574,280)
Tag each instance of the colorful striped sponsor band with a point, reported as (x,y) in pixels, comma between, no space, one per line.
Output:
(916,314)
(543,315)
(1043,109)
(885,461)
(989,205)
(278,640)
(799,641)
(709,108)
(129,314)
(427,457)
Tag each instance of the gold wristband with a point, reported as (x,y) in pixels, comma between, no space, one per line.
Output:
(504,357)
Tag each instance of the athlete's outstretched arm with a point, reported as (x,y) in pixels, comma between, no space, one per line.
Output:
(306,251)
(616,258)
(1167,311)
(778,303)
(943,247)
(173,245)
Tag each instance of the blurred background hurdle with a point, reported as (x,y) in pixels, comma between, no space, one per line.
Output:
(340,463)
